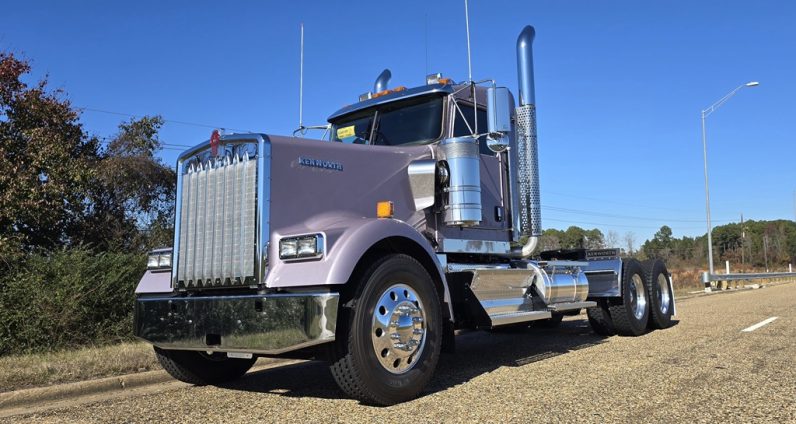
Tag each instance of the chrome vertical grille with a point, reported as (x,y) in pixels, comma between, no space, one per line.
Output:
(217,223)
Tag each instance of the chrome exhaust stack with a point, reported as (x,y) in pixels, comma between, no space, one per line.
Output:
(524,169)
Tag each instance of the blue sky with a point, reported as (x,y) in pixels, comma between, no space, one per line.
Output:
(619,85)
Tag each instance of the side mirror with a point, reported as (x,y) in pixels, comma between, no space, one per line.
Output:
(498,105)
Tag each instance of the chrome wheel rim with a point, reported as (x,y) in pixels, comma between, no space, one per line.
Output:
(664,296)
(399,330)
(638,298)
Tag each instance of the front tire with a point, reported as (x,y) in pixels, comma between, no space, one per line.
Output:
(200,368)
(392,339)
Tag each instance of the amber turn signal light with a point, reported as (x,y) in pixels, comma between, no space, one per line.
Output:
(384,209)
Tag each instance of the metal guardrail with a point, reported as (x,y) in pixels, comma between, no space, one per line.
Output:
(707,278)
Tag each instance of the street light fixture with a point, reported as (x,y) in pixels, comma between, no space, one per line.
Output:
(705,113)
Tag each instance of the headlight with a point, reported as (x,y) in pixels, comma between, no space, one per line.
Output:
(307,246)
(301,247)
(164,260)
(287,248)
(159,259)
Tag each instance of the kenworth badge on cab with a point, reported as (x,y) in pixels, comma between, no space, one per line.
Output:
(418,216)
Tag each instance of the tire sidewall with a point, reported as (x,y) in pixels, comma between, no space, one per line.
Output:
(600,319)
(395,269)
(658,319)
(634,267)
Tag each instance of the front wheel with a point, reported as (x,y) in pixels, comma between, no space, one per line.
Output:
(394,333)
(201,368)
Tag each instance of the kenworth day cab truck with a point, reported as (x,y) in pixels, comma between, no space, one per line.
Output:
(417,217)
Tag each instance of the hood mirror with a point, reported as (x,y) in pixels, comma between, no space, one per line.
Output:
(498,110)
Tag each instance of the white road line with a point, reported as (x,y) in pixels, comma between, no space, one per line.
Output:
(759,324)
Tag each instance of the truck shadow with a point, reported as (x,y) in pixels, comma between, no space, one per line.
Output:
(477,353)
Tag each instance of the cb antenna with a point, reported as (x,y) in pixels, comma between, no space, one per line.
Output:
(467,23)
(301,82)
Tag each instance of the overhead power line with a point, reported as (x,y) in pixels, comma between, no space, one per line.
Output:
(163,145)
(597,224)
(173,121)
(574,196)
(610,215)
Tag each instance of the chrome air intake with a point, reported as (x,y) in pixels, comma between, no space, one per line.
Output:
(464,189)
(524,166)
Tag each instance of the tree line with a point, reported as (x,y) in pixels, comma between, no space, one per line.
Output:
(753,244)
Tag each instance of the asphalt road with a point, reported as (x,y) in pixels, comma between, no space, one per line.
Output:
(704,369)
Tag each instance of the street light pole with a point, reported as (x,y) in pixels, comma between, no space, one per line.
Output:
(705,113)
(707,199)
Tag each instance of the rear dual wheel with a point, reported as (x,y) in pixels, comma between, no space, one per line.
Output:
(661,296)
(600,319)
(647,301)
(630,313)
(627,315)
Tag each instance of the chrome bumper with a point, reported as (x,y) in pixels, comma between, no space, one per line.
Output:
(267,324)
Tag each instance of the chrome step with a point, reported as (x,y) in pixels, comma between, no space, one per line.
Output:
(557,307)
(516,317)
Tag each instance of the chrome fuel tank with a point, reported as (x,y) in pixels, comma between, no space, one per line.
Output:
(560,282)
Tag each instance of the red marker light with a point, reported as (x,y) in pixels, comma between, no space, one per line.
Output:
(215,139)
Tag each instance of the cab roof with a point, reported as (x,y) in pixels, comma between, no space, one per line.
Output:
(388,98)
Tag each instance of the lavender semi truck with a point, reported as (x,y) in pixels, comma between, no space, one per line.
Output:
(418,216)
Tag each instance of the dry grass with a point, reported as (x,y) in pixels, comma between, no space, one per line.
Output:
(43,369)
(686,280)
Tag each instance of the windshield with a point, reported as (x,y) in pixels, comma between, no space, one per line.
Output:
(413,121)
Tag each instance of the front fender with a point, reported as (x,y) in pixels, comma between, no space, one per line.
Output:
(347,240)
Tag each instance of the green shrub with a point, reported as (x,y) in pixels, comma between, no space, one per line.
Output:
(68,298)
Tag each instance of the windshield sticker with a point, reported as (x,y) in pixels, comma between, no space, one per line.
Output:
(345,132)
